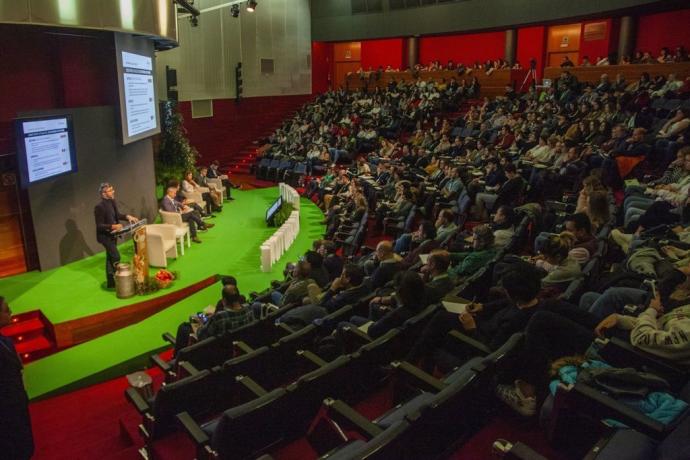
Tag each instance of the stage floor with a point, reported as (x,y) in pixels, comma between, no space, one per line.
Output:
(75,291)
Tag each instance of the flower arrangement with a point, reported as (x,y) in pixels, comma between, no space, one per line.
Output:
(164,278)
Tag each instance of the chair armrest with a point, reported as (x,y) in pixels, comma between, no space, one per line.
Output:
(137,401)
(242,346)
(417,377)
(287,329)
(161,364)
(621,353)
(469,341)
(193,430)
(355,335)
(312,357)
(251,385)
(188,368)
(168,337)
(592,402)
(340,411)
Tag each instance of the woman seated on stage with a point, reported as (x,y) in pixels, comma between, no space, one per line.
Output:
(212,200)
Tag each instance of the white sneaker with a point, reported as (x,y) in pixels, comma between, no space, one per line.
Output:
(512,396)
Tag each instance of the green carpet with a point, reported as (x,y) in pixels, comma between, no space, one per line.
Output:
(74,291)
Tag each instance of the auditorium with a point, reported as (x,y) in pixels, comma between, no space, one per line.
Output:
(344,229)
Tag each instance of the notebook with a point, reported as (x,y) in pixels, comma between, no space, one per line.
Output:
(455,307)
(365,327)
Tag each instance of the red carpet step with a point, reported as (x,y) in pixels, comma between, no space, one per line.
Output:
(30,333)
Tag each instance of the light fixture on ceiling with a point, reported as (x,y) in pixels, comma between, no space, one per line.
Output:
(251,6)
(235,10)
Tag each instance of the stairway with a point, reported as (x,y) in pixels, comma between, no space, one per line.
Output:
(241,160)
(31,335)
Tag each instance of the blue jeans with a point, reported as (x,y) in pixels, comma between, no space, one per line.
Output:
(336,153)
(634,207)
(277,298)
(612,300)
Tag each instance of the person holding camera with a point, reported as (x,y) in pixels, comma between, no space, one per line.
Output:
(230,314)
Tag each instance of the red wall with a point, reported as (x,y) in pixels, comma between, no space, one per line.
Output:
(386,52)
(466,48)
(321,66)
(41,71)
(670,29)
(234,126)
(531,44)
(602,47)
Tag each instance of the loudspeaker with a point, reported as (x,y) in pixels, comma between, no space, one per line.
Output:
(170,77)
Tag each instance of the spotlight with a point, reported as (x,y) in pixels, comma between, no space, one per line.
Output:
(251,6)
(235,10)
(194,21)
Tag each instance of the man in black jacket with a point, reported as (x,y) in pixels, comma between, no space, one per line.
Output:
(346,289)
(108,219)
(386,266)
(509,193)
(16,439)
(491,323)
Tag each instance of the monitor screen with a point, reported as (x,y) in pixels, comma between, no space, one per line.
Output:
(45,148)
(139,116)
(275,207)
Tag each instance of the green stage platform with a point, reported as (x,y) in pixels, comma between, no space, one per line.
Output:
(75,291)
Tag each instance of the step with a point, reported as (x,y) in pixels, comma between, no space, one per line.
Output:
(34,345)
(19,328)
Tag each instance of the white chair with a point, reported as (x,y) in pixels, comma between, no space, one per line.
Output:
(217,185)
(181,228)
(196,196)
(161,243)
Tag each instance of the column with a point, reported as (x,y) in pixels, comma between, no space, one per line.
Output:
(511,46)
(412,51)
(626,37)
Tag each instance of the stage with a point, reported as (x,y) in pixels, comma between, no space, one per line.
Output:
(74,301)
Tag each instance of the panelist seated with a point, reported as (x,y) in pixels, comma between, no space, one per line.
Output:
(192,217)
(189,185)
(230,314)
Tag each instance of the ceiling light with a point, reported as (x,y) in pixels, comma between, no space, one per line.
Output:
(251,6)
(235,10)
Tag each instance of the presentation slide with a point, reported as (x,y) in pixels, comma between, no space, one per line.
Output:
(140,97)
(47,146)
(136,78)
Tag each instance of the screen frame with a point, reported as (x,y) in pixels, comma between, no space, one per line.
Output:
(143,47)
(269,214)
(22,159)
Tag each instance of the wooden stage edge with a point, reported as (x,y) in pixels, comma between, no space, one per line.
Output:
(88,328)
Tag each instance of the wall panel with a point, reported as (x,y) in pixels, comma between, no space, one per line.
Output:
(321,66)
(531,44)
(561,41)
(671,29)
(382,53)
(598,38)
(466,48)
(207,56)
